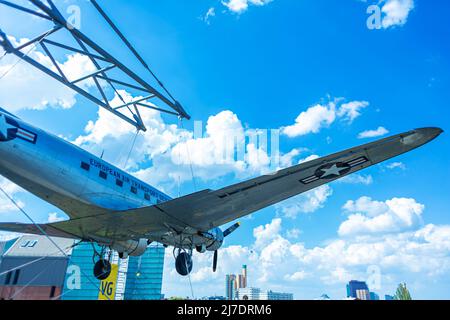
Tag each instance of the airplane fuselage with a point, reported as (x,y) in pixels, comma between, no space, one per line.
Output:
(61,173)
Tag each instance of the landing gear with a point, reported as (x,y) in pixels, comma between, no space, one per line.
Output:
(102,267)
(183,262)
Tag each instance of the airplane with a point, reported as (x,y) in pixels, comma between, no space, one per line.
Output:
(112,209)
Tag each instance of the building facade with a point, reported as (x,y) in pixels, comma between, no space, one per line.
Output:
(271,295)
(145,275)
(358,290)
(362,294)
(235,282)
(33,268)
(230,286)
(258,294)
(374,296)
(248,294)
(138,278)
(80,283)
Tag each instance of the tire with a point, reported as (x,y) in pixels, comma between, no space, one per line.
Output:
(183,264)
(102,269)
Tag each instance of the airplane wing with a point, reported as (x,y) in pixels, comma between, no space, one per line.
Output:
(207,209)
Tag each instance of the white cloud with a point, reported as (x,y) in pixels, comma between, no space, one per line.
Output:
(297,276)
(266,234)
(208,15)
(311,120)
(6,206)
(322,116)
(372,217)
(41,90)
(163,155)
(54,217)
(293,233)
(309,158)
(396,12)
(356,178)
(351,110)
(240,6)
(308,202)
(6,236)
(396,165)
(279,264)
(381,131)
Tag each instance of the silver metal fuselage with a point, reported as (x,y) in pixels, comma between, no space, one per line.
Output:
(52,169)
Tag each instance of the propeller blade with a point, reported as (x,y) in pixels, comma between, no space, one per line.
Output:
(215,261)
(231,229)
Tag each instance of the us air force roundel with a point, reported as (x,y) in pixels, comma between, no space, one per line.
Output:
(334,170)
(10,129)
(330,171)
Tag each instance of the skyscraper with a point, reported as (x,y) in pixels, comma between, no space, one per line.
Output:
(374,296)
(244,276)
(144,276)
(358,290)
(233,283)
(230,286)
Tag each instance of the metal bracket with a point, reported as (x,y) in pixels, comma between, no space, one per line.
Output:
(103,61)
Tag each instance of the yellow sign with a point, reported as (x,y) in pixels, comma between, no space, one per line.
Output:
(108,286)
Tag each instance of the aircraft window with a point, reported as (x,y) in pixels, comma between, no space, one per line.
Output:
(119,183)
(102,174)
(85,166)
(134,190)
(147,196)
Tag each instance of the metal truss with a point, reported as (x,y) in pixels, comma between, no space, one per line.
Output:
(103,61)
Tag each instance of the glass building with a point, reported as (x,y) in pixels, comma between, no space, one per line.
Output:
(358,290)
(145,274)
(80,283)
(139,278)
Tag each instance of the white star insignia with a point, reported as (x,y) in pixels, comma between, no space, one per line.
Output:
(4,126)
(334,170)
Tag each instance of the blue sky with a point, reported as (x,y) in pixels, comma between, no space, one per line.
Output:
(260,64)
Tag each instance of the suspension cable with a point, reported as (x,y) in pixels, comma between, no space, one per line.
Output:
(131,149)
(26,55)
(30,282)
(29,263)
(44,233)
(190,160)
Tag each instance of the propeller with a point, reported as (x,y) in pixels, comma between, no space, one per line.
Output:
(216,253)
(226,233)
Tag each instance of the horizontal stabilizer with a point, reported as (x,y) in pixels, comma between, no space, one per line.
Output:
(34,229)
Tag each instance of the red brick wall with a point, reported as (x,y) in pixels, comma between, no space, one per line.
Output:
(28,293)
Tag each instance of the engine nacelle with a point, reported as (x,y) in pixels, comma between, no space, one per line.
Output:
(216,241)
(130,247)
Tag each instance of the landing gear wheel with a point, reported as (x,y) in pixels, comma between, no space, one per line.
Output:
(183,263)
(102,269)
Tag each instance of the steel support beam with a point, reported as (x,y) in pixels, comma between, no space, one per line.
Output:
(88,47)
